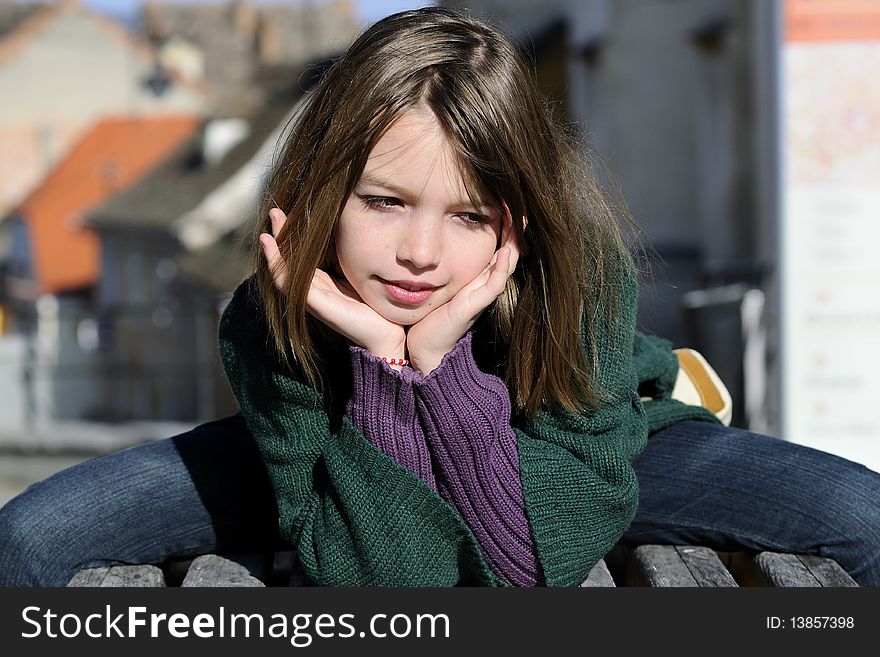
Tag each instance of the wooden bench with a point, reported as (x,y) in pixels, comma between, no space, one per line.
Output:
(645,565)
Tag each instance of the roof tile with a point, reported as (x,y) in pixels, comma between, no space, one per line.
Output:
(110,158)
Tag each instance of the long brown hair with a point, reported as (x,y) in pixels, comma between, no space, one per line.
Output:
(509,149)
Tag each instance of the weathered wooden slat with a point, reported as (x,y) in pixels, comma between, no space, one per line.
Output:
(662,566)
(646,565)
(88,577)
(678,566)
(599,576)
(131,576)
(119,577)
(828,572)
(785,570)
(209,570)
(705,566)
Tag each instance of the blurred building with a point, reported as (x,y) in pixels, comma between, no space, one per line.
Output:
(228,45)
(116,264)
(48,367)
(62,68)
(174,247)
(675,98)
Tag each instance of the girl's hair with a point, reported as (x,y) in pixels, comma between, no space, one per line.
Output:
(564,290)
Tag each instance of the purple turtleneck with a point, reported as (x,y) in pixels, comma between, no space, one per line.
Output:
(452,429)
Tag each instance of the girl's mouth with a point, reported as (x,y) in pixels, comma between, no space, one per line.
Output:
(409,294)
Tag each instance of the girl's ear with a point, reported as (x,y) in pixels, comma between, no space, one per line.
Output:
(505,218)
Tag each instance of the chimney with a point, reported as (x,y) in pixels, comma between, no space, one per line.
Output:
(155,25)
(268,43)
(244,19)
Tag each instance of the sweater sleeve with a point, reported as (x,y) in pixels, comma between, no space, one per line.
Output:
(383,407)
(579,485)
(657,369)
(355,516)
(466,416)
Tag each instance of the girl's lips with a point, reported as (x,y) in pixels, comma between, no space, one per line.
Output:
(409,297)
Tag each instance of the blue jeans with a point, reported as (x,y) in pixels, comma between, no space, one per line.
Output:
(207,491)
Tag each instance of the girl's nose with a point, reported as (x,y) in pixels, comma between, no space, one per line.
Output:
(420,243)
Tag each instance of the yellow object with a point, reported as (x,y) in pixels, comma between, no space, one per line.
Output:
(699,385)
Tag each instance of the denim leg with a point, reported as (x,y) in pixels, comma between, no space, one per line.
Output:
(730,489)
(205,490)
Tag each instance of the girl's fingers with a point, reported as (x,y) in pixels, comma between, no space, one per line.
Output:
(325,302)
(329,297)
(273,259)
(345,288)
(322,281)
(270,247)
(337,304)
(492,261)
(486,287)
(500,272)
(277,218)
(514,257)
(497,270)
(484,275)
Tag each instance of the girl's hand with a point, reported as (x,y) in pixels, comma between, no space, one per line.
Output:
(436,334)
(336,304)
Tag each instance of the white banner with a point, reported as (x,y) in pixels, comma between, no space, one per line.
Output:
(830,233)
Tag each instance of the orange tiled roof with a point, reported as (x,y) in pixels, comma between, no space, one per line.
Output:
(114,155)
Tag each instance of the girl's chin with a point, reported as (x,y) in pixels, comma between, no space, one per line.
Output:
(404,317)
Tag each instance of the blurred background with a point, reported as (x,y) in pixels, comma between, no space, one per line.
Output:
(135,138)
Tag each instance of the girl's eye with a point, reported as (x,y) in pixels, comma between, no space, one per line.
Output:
(473,218)
(380,202)
(388,202)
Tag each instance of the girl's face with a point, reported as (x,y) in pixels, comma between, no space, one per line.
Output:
(408,238)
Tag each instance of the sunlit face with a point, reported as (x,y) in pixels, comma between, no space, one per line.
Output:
(409,224)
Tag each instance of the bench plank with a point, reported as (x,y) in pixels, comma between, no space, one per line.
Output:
(119,577)
(88,577)
(646,565)
(662,566)
(828,572)
(680,565)
(210,570)
(599,576)
(705,566)
(785,570)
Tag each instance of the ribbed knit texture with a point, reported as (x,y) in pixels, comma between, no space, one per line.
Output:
(463,425)
(383,407)
(466,416)
(357,517)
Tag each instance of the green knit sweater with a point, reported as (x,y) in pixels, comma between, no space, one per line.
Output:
(358,518)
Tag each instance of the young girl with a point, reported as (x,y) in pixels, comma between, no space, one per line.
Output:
(437,367)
